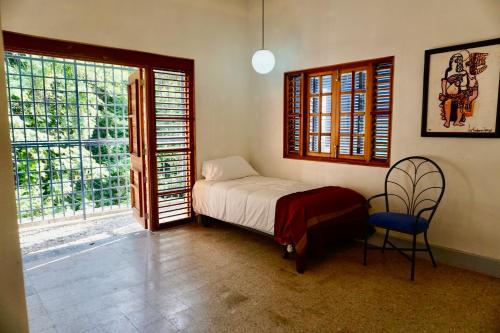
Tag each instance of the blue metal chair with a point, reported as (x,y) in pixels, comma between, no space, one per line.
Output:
(414,187)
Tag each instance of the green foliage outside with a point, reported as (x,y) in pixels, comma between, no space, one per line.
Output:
(52,103)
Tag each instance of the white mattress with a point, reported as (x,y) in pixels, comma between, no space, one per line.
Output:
(249,201)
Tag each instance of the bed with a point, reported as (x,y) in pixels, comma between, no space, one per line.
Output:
(295,214)
(248,201)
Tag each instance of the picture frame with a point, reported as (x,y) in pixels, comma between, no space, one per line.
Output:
(461,91)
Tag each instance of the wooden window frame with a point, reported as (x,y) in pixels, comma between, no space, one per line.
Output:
(320,113)
(22,43)
(334,156)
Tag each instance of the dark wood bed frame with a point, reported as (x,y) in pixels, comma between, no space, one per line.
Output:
(319,238)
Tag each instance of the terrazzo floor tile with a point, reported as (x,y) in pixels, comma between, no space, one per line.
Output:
(224,279)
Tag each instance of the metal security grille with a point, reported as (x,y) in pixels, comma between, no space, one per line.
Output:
(69,133)
(174,145)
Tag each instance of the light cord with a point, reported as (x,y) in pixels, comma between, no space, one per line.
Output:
(263,24)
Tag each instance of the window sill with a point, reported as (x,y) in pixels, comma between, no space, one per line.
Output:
(380,164)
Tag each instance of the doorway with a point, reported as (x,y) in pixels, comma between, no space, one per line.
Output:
(69,134)
(97,130)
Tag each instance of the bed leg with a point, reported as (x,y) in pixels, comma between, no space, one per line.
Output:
(288,251)
(204,221)
(300,263)
(285,253)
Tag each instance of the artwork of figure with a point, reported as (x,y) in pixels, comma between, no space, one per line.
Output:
(462,91)
(460,87)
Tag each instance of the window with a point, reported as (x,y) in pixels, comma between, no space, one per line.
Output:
(340,113)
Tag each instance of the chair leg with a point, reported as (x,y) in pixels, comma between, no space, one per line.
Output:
(366,246)
(385,240)
(413,257)
(429,250)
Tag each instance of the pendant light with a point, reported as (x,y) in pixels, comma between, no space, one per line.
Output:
(263,60)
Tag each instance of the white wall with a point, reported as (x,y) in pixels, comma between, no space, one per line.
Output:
(213,33)
(13,316)
(314,33)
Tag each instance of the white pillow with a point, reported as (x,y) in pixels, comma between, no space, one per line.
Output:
(227,168)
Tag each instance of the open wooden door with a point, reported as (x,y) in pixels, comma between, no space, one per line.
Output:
(161,146)
(137,148)
(171,150)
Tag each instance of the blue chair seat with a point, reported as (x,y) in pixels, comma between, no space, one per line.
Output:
(399,222)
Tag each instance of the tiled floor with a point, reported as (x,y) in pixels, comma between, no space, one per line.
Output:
(68,235)
(222,279)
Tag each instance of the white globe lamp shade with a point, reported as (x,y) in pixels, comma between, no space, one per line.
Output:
(263,61)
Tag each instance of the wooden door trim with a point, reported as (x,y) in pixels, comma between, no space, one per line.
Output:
(17,42)
(151,161)
(136,148)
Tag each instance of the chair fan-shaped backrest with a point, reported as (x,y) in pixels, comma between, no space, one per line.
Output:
(412,184)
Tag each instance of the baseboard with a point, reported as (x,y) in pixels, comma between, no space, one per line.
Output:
(473,262)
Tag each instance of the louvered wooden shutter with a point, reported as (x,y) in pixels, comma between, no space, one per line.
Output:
(319,114)
(382,110)
(174,145)
(352,112)
(293,115)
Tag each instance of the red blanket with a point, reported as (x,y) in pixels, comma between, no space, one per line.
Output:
(299,213)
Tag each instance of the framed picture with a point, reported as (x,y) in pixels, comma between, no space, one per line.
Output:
(461,91)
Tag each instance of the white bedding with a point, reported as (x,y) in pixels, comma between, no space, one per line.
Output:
(249,201)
